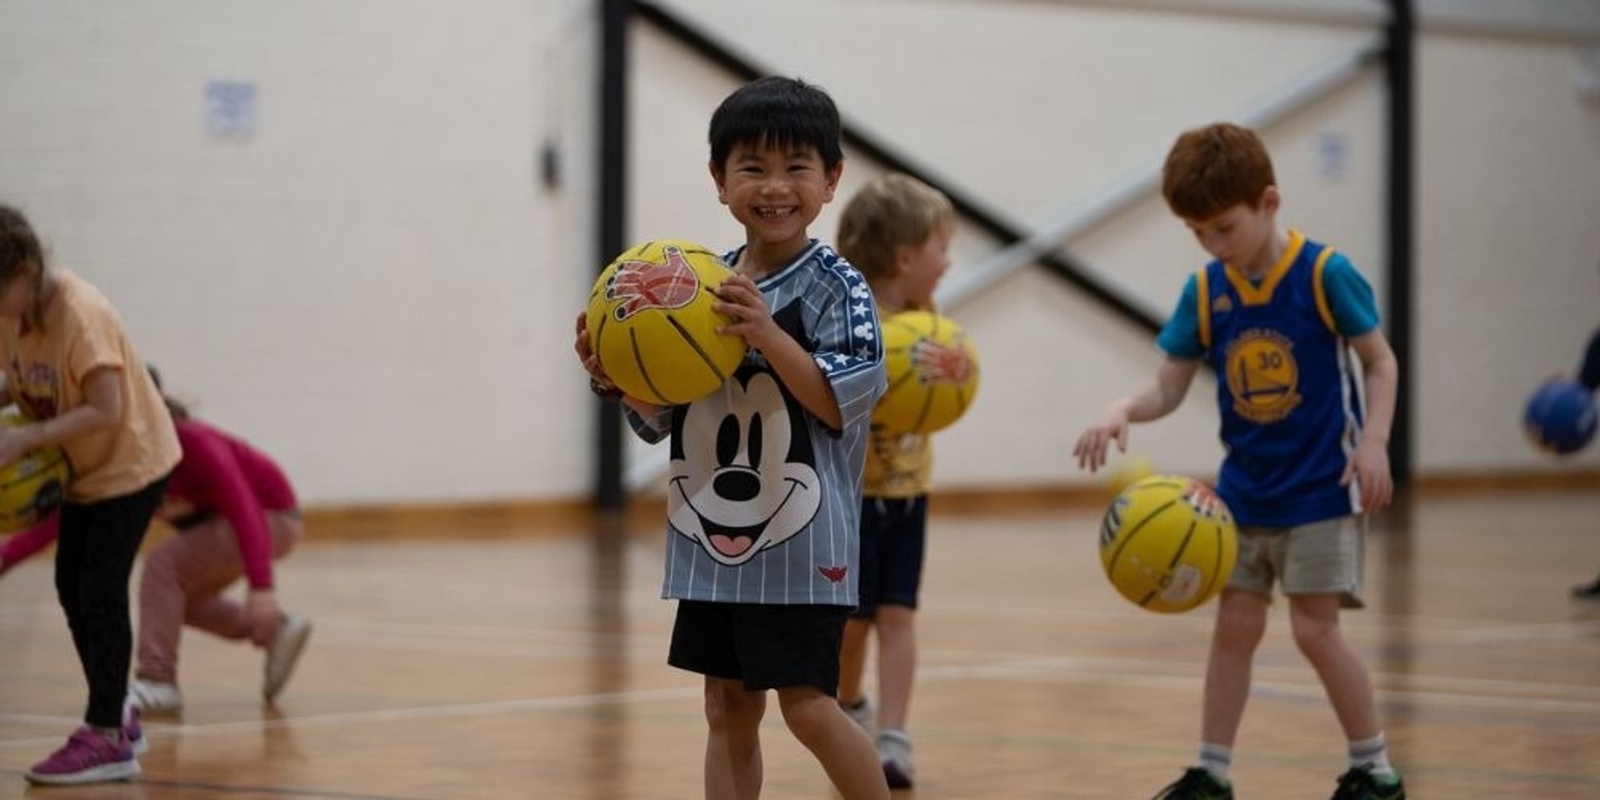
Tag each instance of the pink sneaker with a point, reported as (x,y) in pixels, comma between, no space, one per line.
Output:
(87,757)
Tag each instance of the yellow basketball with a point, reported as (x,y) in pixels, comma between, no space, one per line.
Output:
(650,322)
(32,486)
(1168,543)
(933,372)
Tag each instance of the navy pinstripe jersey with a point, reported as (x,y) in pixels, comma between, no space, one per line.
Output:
(763,500)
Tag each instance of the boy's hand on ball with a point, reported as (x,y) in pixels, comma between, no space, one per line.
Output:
(580,344)
(587,356)
(742,301)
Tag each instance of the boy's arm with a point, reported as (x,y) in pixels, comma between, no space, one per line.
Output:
(102,407)
(217,482)
(1370,462)
(804,379)
(741,300)
(651,423)
(1155,401)
(647,420)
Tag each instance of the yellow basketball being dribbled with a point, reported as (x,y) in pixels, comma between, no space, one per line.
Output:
(933,372)
(1168,543)
(32,486)
(650,322)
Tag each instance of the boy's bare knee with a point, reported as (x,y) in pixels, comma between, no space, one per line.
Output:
(728,705)
(806,711)
(1313,636)
(1241,622)
(1314,623)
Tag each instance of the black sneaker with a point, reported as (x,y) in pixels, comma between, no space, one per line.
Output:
(1358,783)
(1587,591)
(1197,783)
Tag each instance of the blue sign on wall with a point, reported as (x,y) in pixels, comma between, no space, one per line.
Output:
(230,109)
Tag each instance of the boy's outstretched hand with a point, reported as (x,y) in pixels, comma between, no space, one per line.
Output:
(1092,445)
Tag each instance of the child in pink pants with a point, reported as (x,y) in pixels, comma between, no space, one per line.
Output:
(235,512)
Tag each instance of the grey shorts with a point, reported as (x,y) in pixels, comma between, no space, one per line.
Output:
(1320,558)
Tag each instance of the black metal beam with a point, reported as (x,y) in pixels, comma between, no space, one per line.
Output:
(1399,58)
(610,493)
(969,207)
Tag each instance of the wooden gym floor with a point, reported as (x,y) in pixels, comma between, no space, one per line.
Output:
(494,659)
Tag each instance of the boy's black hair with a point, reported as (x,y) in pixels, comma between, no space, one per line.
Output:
(778,112)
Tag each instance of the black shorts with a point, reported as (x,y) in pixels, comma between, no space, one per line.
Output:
(765,646)
(894,533)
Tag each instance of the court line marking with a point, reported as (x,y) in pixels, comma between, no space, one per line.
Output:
(1104,671)
(157,729)
(225,789)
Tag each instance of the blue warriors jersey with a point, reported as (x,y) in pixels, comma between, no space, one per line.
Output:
(1288,388)
(763,500)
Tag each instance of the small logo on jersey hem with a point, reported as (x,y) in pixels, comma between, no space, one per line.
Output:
(834,574)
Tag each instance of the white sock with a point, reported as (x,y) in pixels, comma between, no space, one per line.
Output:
(1375,754)
(1215,759)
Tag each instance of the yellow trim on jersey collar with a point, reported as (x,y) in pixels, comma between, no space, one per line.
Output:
(1252,295)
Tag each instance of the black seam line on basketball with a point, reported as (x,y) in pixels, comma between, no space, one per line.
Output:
(908,375)
(694,345)
(1117,553)
(599,335)
(1188,536)
(638,361)
(927,408)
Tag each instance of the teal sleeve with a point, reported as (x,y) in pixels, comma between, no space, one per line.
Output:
(1180,337)
(1355,312)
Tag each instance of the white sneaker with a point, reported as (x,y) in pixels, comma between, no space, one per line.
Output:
(153,698)
(283,654)
(894,752)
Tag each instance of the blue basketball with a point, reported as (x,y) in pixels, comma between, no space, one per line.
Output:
(1561,416)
